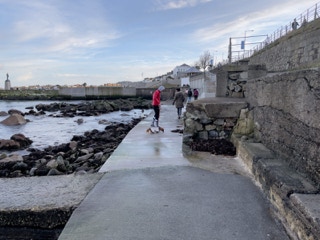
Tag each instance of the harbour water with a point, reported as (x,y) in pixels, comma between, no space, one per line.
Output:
(50,131)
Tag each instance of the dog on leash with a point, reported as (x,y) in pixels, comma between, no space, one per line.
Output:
(155,130)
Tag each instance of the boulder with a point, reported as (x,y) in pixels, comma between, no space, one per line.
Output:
(9,144)
(21,139)
(14,119)
(17,141)
(10,161)
(15,111)
(3,113)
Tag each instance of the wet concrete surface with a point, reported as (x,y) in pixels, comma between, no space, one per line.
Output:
(150,190)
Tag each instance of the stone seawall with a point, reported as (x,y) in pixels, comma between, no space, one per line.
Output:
(85,92)
(296,50)
(286,109)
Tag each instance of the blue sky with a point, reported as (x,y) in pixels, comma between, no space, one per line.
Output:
(107,41)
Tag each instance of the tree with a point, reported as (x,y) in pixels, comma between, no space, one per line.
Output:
(205,61)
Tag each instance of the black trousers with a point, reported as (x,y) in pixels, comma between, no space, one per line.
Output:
(156,112)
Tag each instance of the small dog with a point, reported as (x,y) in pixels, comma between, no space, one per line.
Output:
(150,130)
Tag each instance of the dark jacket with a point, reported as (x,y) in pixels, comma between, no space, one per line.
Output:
(179,99)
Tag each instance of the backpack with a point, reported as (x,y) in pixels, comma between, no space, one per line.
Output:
(189,93)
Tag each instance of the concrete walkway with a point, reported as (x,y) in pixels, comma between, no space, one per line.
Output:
(151,191)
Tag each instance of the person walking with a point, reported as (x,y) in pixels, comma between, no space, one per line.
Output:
(195,94)
(295,24)
(156,106)
(189,95)
(178,100)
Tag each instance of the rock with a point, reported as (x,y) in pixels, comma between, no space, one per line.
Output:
(98,156)
(14,119)
(84,157)
(61,164)
(15,111)
(52,164)
(32,170)
(13,157)
(104,122)
(54,172)
(80,172)
(9,145)
(20,166)
(10,161)
(32,112)
(42,170)
(84,151)
(79,121)
(3,113)
(73,145)
(21,139)
(17,141)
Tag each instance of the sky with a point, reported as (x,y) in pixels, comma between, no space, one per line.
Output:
(66,42)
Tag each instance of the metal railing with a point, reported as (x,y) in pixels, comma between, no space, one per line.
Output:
(309,15)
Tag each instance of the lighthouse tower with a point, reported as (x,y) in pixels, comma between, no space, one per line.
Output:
(7,84)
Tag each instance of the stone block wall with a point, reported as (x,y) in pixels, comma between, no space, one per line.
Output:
(97,91)
(210,118)
(297,50)
(232,79)
(167,94)
(286,110)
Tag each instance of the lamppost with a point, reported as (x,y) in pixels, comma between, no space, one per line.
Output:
(244,41)
(213,61)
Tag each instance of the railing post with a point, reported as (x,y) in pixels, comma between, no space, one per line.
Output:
(230,51)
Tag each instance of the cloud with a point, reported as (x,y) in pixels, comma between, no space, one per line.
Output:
(26,77)
(178,4)
(265,21)
(52,27)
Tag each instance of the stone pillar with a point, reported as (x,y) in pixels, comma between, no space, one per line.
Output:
(222,83)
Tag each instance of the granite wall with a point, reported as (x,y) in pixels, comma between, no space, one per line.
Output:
(286,110)
(297,50)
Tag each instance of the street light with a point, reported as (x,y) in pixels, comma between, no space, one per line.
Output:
(243,45)
(214,58)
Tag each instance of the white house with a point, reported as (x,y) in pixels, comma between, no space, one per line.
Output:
(180,70)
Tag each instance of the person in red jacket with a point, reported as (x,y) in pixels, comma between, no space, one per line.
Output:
(156,106)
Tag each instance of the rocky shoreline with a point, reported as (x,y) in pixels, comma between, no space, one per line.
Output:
(43,188)
(83,154)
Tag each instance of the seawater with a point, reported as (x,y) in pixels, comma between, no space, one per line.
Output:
(47,131)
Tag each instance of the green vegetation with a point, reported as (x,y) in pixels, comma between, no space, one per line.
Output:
(28,94)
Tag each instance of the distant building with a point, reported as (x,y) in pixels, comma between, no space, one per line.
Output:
(7,84)
(190,72)
(180,70)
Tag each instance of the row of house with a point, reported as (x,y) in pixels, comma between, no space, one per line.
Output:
(185,75)
(173,77)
